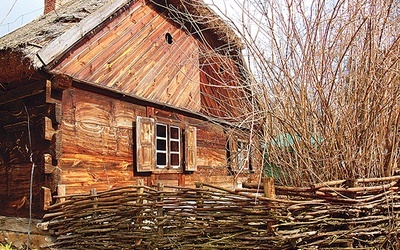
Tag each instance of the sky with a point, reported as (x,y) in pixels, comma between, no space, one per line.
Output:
(15,13)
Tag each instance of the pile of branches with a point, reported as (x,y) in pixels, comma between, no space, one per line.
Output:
(325,216)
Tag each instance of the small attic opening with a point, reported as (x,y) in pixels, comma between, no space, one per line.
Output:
(168,38)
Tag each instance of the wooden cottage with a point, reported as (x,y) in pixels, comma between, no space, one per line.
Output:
(99,93)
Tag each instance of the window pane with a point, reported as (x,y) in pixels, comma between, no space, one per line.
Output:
(161,159)
(175,160)
(174,133)
(174,146)
(161,130)
(161,144)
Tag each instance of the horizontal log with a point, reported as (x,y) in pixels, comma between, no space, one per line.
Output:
(24,91)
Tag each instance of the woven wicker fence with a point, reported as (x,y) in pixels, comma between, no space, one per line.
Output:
(358,214)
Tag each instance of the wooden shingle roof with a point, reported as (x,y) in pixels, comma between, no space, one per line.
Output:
(32,37)
(52,34)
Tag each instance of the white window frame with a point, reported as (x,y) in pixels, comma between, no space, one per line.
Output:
(243,155)
(168,149)
(171,152)
(162,151)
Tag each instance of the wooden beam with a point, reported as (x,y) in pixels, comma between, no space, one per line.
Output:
(46,198)
(55,145)
(48,165)
(107,91)
(61,44)
(49,131)
(21,92)
(61,191)
(269,187)
(61,82)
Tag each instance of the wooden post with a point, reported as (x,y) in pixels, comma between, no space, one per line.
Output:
(351,183)
(200,201)
(140,191)
(93,192)
(160,209)
(269,187)
(46,198)
(61,192)
(269,192)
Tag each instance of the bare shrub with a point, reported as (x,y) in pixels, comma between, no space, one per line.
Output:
(326,84)
(322,80)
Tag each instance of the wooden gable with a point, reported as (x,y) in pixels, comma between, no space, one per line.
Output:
(223,90)
(130,54)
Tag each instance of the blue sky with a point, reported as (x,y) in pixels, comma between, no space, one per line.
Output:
(23,11)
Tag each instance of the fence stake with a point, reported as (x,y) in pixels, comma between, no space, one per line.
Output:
(46,198)
(160,209)
(269,187)
(140,183)
(351,183)
(269,192)
(200,201)
(93,192)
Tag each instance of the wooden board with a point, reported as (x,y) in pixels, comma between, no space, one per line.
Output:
(97,125)
(130,55)
(60,45)
(80,172)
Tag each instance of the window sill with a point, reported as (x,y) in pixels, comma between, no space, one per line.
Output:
(167,171)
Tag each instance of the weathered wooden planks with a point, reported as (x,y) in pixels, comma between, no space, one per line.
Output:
(96,125)
(131,55)
(98,143)
(58,46)
(222,87)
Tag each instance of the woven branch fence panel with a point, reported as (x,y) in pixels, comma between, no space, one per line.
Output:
(360,214)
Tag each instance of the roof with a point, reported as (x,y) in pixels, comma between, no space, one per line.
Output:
(38,46)
(35,35)
(43,34)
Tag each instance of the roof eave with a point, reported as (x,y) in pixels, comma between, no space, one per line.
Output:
(59,46)
(203,19)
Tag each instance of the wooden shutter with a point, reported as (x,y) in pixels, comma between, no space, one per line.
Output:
(233,153)
(190,148)
(145,141)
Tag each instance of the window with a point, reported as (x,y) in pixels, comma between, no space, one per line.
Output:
(161,145)
(175,145)
(243,155)
(238,155)
(164,146)
(168,148)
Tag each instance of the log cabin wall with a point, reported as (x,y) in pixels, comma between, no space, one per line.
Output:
(97,141)
(28,134)
(86,138)
(99,145)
